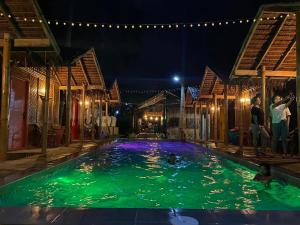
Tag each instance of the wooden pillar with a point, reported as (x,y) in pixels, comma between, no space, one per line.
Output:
(46,112)
(241,125)
(100,117)
(82,114)
(106,108)
(5,96)
(93,116)
(226,114)
(263,91)
(195,121)
(200,122)
(215,118)
(206,123)
(298,74)
(68,108)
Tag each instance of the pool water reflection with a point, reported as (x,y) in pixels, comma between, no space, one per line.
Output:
(136,174)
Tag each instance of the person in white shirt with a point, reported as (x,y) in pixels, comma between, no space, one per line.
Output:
(280,121)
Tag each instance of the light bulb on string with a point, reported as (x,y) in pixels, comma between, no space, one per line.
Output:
(49,22)
(65,23)
(118,26)
(170,26)
(33,20)
(102,25)
(199,24)
(132,26)
(73,24)
(87,24)
(40,21)
(110,26)
(56,23)
(95,25)
(125,26)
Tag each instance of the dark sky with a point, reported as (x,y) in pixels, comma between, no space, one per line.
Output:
(147,59)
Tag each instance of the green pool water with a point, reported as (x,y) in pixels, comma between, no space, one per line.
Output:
(136,174)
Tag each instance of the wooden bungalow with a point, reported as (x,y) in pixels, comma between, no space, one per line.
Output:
(191,113)
(159,114)
(26,42)
(270,54)
(212,101)
(37,78)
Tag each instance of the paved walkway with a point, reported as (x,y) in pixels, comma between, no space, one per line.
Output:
(11,170)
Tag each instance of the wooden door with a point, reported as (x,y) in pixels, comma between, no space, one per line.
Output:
(18,114)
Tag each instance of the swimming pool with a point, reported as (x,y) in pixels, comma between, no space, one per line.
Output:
(136,174)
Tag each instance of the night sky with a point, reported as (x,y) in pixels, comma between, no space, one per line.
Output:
(147,59)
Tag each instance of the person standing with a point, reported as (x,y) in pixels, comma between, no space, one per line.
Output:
(280,121)
(257,125)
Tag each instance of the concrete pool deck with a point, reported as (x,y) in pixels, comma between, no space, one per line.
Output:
(14,169)
(117,216)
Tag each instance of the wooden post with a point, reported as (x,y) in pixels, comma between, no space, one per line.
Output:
(68,108)
(100,116)
(5,96)
(216,118)
(195,121)
(226,114)
(263,91)
(46,112)
(93,117)
(200,122)
(106,108)
(206,123)
(298,74)
(82,114)
(241,126)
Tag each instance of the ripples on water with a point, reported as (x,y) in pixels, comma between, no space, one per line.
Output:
(137,175)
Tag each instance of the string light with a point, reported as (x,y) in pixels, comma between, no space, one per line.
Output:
(214,23)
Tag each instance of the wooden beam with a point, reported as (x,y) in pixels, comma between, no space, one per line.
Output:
(269,73)
(286,53)
(91,87)
(226,114)
(82,112)
(46,112)
(5,97)
(200,122)
(11,20)
(216,119)
(214,86)
(84,71)
(93,117)
(298,73)
(262,73)
(218,97)
(29,43)
(68,108)
(195,122)
(241,125)
(268,44)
